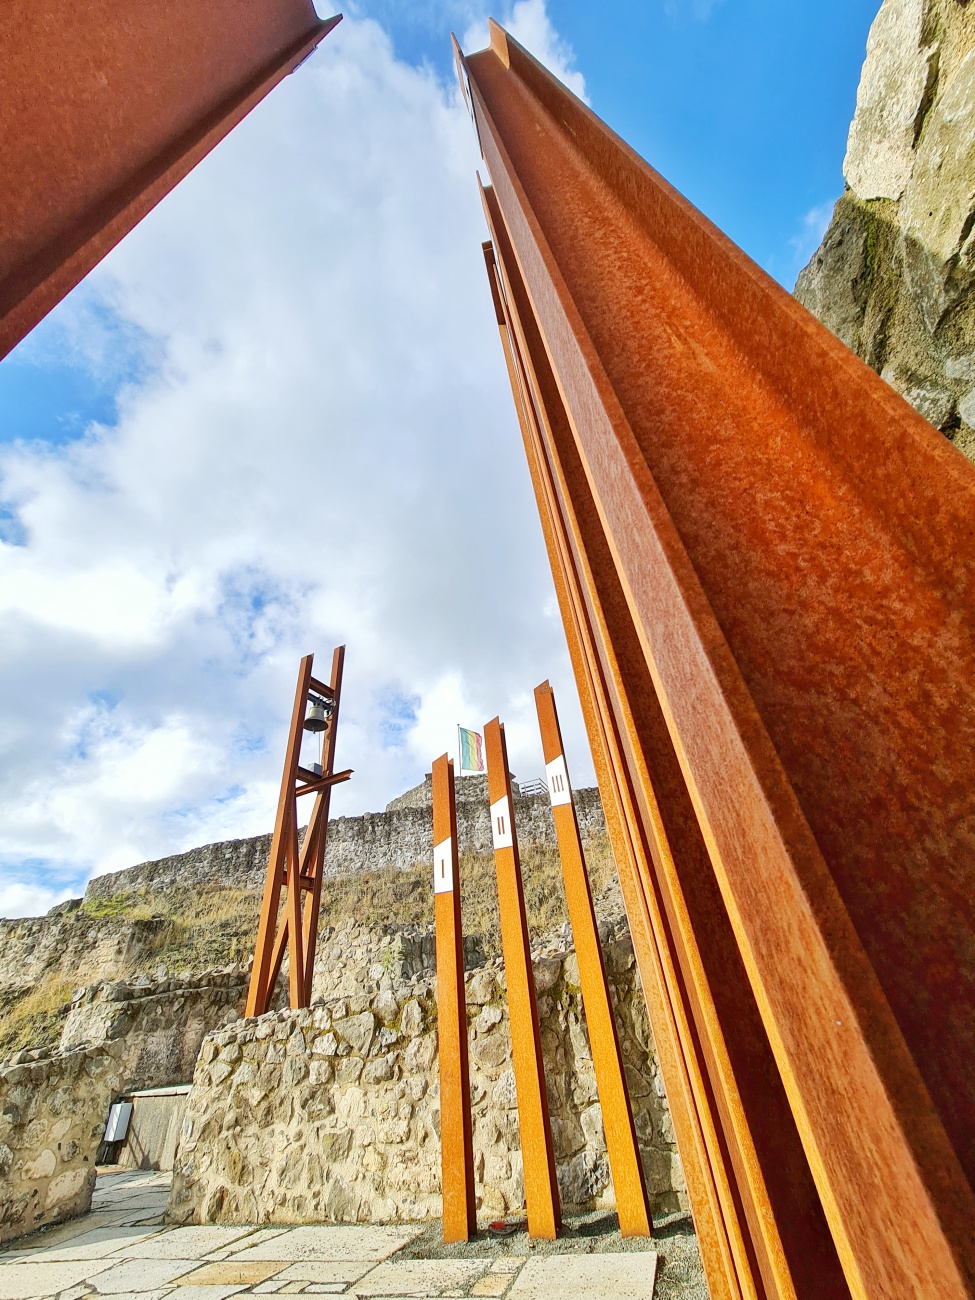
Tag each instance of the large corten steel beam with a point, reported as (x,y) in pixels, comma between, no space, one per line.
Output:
(107,105)
(765,563)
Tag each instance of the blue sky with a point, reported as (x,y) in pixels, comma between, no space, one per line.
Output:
(743,105)
(276,418)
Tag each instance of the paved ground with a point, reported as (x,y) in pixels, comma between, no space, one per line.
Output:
(122,1250)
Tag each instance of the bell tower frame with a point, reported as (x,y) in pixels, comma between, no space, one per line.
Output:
(294,928)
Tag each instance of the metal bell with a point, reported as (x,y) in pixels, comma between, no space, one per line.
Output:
(317,719)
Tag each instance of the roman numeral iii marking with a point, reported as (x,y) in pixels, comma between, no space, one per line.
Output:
(558,781)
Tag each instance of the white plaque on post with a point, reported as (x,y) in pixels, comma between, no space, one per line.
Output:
(443,867)
(558,781)
(501,825)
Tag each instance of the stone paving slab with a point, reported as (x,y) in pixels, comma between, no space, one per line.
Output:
(257,1238)
(140,1275)
(233,1273)
(346,1242)
(88,1245)
(420,1277)
(186,1243)
(204,1292)
(325,1272)
(40,1281)
(624,1277)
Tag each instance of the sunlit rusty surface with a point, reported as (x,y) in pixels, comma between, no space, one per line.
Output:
(105,105)
(456,1131)
(764,561)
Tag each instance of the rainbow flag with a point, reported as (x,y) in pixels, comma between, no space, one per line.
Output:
(471,751)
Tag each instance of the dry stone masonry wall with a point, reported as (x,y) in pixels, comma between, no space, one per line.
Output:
(332,1113)
(53,1106)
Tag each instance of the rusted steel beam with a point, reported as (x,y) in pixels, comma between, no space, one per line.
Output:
(766,562)
(456,1134)
(622,1147)
(721,1236)
(767,1220)
(300,874)
(105,107)
(537,1151)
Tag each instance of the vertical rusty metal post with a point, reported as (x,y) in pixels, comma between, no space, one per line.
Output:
(106,106)
(614,1098)
(300,874)
(456,1137)
(537,1151)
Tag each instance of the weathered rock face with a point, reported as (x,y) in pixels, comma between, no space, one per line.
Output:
(333,1113)
(73,946)
(161,1025)
(895,274)
(53,1106)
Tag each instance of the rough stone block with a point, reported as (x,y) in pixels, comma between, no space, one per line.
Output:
(357,1030)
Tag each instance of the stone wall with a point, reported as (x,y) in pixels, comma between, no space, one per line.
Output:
(53,1106)
(52,1116)
(895,274)
(333,1113)
(399,837)
(161,1024)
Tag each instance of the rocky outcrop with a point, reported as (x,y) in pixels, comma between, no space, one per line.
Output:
(895,274)
(73,946)
(161,1024)
(332,1113)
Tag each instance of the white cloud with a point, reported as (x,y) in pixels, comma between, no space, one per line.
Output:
(20,899)
(809,236)
(325,451)
(528,22)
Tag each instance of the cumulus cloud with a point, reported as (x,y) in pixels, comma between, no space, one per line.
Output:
(317,446)
(529,23)
(809,236)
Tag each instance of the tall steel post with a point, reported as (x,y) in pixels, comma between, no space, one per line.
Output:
(456,1136)
(622,1147)
(766,571)
(537,1151)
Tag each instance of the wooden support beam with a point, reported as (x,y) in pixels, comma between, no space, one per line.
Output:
(456,1135)
(607,1059)
(537,1151)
